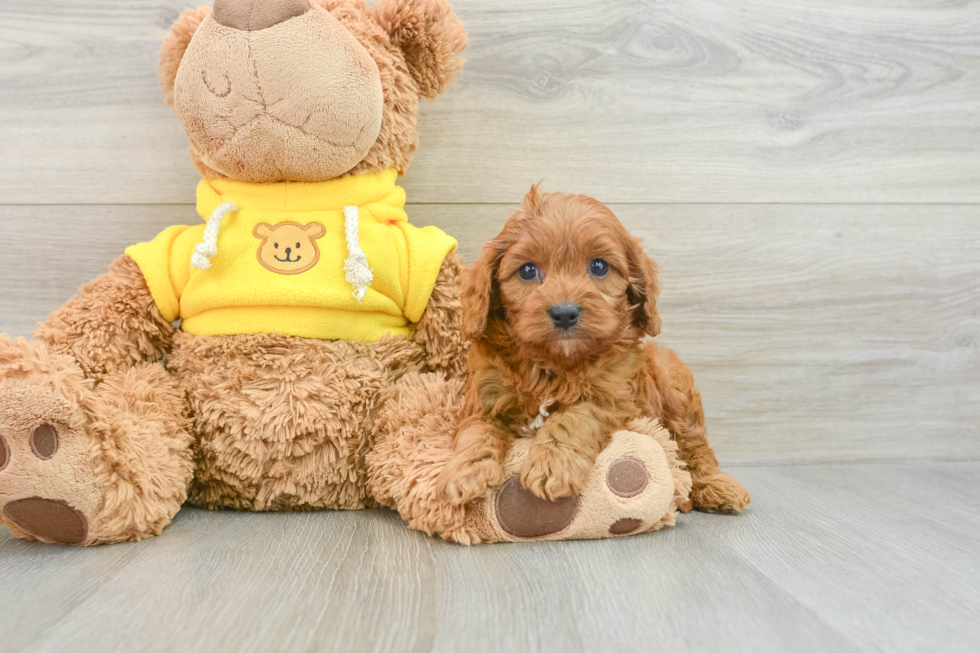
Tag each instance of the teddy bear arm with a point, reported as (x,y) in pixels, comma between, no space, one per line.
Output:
(111,325)
(439,329)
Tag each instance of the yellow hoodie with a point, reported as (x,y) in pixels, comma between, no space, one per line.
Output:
(279,264)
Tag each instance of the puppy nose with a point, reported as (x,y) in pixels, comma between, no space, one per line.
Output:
(253,15)
(288,250)
(565,316)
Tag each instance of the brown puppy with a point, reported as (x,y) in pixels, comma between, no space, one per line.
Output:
(557,308)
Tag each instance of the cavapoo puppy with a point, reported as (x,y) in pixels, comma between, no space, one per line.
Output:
(557,308)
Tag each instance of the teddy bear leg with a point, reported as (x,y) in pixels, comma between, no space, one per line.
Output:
(438,332)
(413,442)
(84,463)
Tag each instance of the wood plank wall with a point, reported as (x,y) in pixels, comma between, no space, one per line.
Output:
(806,172)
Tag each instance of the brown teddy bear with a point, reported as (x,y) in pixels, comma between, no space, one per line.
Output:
(303,299)
(318,359)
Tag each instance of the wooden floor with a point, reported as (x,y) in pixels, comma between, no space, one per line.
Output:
(806,172)
(862,557)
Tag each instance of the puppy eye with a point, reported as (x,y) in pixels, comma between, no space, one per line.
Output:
(277,245)
(297,245)
(528,272)
(598,268)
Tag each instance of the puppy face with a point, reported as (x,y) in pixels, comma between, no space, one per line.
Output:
(564,280)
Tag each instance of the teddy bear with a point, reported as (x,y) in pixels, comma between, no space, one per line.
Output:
(298,347)
(303,293)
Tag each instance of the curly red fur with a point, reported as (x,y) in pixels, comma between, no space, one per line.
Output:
(592,378)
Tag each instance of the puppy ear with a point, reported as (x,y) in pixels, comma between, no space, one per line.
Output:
(262,230)
(644,288)
(531,201)
(431,37)
(175,45)
(480,292)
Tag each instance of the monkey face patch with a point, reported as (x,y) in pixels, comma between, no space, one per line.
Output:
(288,247)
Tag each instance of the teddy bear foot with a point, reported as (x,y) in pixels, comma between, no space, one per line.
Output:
(47,488)
(637,484)
(84,463)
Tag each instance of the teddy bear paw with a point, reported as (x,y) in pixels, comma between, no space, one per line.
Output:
(47,491)
(636,485)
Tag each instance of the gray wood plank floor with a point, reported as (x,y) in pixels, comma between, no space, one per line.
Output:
(861,557)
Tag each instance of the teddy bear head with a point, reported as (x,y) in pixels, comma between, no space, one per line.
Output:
(307,90)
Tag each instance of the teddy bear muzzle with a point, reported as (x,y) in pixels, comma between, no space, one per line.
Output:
(252,15)
(241,111)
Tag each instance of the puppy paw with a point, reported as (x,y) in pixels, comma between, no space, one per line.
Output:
(552,472)
(463,481)
(719,492)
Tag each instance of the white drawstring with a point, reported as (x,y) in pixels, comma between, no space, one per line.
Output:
(540,418)
(356,269)
(207,249)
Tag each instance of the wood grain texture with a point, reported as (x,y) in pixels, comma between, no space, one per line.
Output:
(808,175)
(629,100)
(816,333)
(844,558)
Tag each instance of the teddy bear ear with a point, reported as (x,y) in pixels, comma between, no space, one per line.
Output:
(315,230)
(431,37)
(174,46)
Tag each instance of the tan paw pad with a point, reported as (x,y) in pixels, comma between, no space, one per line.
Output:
(44,442)
(524,515)
(48,520)
(627,477)
(625,525)
(4,453)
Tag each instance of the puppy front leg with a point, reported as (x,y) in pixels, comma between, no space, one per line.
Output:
(477,463)
(563,452)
